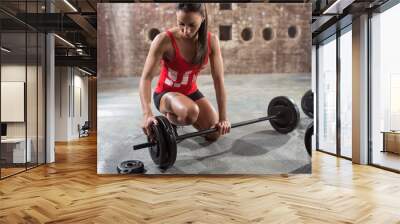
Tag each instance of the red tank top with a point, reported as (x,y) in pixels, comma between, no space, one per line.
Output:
(178,75)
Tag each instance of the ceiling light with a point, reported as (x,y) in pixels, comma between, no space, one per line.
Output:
(65,41)
(84,71)
(5,50)
(70,5)
(337,7)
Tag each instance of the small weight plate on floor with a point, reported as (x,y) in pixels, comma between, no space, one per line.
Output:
(288,117)
(307,103)
(170,141)
(308,137)
(130,166)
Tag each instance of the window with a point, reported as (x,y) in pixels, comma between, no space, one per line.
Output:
(225,32)
(346,75)
(225,6)
(327,96)
(385,88)
(22,76)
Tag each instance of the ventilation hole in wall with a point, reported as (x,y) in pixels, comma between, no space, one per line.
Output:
(267,33)
(153,32)
(292,31)
(247,34)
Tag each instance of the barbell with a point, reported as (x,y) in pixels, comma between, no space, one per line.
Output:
(283,116)
(307,103)
(308,137)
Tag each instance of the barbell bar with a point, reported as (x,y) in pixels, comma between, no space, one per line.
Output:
(207,131)
(283,116)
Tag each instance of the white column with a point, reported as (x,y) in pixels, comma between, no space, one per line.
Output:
(50,92)
(50,99)
(360,90)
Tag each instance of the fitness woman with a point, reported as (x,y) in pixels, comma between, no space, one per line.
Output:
(184,51)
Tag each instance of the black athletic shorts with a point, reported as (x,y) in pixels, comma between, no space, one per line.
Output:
(157,97)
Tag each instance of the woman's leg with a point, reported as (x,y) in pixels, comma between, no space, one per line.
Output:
(179,109)
(207,118)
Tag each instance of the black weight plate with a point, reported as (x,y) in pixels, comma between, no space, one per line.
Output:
(130,166)
(308,137)
(170,140)
(288,117)
(156,151)
(307,103)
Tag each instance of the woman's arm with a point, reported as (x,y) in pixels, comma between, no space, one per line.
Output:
(217,71)
(153,58)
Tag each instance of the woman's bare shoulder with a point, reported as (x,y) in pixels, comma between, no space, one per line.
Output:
(214,42)
(161,43)
(213,37)
(161,39)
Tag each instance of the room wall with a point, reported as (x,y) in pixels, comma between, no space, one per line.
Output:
(92,99)
(125,38)
(17,73)
(33,127)
(71,102)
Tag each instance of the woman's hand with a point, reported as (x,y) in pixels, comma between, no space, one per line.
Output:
(224,127)
(148,121)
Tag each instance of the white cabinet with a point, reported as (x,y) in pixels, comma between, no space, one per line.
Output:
(19,155)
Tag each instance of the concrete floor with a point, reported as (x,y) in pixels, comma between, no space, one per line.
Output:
(252,149)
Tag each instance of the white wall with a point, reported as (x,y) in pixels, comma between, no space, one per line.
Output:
(12,73)
(62,80)
(33,127)
(81,83)
(71,93)
(12,101)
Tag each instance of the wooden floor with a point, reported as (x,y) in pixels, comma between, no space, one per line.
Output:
(10,171)
(70,191)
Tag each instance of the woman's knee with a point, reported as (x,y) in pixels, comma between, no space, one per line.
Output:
(189,115)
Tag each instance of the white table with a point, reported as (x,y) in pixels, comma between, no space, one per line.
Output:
(19,155)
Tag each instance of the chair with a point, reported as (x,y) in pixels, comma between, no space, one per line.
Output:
(84,130)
